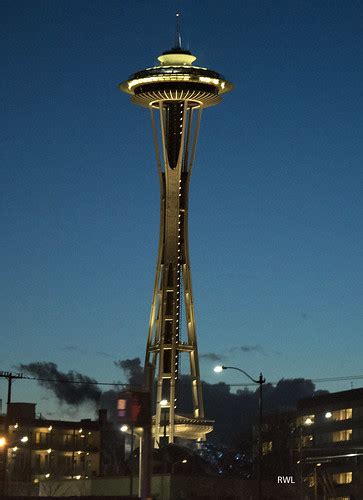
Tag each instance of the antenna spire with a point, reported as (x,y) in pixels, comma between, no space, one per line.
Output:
(178,43)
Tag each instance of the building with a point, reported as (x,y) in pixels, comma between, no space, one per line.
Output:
(175,92)
(320,445)
(39,449)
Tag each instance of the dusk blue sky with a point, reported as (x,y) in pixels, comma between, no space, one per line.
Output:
(276,195)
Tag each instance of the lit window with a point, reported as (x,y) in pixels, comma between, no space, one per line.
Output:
(343,478)
(266,447)
(345,435)
(344,414)
(339,498)
(67,438)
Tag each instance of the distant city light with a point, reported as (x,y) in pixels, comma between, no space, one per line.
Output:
(308,421)
(164,402)
(124,428)
(2,442)
(328,414)
(24,439)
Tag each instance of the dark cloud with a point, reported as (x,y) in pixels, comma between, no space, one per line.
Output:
(72,387)
(234,413)
(132,369)
(134,372)
(250,348)
(105,354)
(211,356)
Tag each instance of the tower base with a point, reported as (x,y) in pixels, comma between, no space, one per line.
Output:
(186,428)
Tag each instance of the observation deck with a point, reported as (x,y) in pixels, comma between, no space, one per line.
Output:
(176,79)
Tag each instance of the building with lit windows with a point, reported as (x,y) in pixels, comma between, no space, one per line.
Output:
(320,445)
(39,449)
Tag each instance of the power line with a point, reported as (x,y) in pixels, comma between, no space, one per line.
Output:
(315,380)
(118,384)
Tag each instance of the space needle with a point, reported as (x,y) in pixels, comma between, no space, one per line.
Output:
(176,92)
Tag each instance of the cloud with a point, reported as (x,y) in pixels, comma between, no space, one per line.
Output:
(235,426)
(132,369)
(74,348)
(211,356)
(234,413)
(250,348)
(105,354)
(72,387)
(80,350)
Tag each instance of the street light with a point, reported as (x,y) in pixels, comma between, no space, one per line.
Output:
(124,428)
(4,441)
(164,403)
(260,381)
(184,461)
(218,369)
(5,445)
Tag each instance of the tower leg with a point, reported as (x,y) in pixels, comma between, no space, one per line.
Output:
(179,125)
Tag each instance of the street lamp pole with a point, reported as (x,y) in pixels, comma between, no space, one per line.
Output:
(260,381)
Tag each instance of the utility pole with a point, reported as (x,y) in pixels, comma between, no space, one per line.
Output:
(10,376)
(146,448)
(4,476)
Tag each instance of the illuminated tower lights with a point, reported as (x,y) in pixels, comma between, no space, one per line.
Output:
(178,92)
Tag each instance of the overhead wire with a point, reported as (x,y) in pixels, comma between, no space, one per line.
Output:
(246,384)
